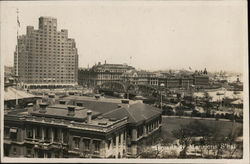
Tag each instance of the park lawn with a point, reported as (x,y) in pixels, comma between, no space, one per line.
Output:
(171,123)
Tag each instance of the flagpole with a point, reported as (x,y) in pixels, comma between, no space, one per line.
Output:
(17,41)
(17,56)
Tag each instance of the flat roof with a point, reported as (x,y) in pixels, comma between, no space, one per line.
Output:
(61,111)
(102,105)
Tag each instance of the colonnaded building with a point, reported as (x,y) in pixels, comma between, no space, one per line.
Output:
(81,127)
(46,57)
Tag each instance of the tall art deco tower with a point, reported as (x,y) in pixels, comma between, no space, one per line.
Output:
(46,57)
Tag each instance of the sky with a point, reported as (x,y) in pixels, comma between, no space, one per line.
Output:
(150,35)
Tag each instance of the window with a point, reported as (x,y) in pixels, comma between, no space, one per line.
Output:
(124,135)
(109,143)
(49,155)
(114,141)
(76,141)
(119,139)
(86,144)
(56,155)
(79,104)
(28,152)
(37,132)
(13,133)
(6,132)
(56,136)
(14,150)
(97,145)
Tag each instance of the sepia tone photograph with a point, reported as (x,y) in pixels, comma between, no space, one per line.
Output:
(124,81)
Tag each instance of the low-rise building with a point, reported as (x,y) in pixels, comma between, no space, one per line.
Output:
(63,131)
(81,127)
(201,80)
(140,78)
(101,73)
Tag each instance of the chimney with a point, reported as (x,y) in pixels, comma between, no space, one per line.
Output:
(71,110)
(30,108)
(51,98)
(89,116)
(125,102)
(97,96)
(11,80)
(63,102)
(43,107)
(38,101)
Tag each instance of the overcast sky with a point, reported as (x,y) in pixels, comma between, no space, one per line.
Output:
(156,34)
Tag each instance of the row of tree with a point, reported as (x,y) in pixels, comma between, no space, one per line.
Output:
(194,113)
(207,139)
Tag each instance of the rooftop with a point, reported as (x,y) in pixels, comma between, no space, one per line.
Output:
(61,111)
(136,113)
(102,105)
(99,124)
(47,17)
(11,93)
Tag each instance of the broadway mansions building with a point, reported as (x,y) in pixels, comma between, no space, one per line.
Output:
(46,57)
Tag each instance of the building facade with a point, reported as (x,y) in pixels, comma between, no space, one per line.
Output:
(144,121)
(64,132)
(46,56)
(101,73)
(201,80)
(85,130)
(140,78)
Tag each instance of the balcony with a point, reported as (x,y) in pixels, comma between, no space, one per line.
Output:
(31,140)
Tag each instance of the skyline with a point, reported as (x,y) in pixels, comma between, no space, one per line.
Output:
(116,32)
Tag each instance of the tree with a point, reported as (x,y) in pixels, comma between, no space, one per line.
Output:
(171,154)
(166,140)
(215,143)
(167,110)
(231,117)
(232,144)
(194,129)
(217,117)
(149,152)
(179,112)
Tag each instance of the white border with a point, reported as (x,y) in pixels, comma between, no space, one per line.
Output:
(245,159)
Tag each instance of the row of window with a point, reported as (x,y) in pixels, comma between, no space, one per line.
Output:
(49,81)
(36,132)
(49,56)
(49,69)
(52,53)
(43,33)
(47,44)
(86,143)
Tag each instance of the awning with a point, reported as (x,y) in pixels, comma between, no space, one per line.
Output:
(13,93)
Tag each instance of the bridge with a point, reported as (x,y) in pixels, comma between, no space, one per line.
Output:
(127,88)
